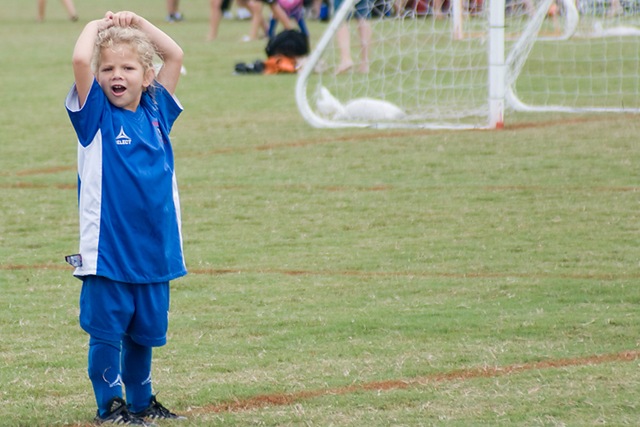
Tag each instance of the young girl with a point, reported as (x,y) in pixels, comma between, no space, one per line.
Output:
(130,237)
(294,10)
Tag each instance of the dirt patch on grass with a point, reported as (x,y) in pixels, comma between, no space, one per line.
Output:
(457,375)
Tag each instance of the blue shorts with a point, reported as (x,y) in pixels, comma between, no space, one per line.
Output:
(109,310)
(362,9)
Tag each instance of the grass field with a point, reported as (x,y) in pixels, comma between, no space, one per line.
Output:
(337,277)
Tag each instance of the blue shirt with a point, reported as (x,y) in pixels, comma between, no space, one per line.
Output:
(130,227)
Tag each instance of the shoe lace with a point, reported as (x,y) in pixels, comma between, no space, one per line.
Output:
(120,414)
(157,410)
(127,418)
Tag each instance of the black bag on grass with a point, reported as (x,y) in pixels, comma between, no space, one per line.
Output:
(291,43)
(256,67)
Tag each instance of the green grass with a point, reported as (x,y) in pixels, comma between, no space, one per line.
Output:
(338,277)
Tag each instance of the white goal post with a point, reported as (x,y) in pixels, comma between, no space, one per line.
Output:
(473,62)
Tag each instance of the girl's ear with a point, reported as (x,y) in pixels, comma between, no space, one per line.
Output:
(149,75)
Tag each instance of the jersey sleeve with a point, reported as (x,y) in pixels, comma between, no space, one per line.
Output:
(86,119)
(169,108)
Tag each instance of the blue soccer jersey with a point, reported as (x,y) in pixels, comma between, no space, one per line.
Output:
(130,228)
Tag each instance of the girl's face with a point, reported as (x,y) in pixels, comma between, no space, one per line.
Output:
(122,77)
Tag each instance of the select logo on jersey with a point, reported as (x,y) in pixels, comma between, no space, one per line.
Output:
(122,138)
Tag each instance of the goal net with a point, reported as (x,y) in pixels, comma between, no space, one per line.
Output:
(463,63)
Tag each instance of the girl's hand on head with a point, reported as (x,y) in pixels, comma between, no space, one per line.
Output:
(105,22)
(125,19)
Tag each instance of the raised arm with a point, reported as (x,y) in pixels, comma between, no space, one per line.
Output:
(168,50)
(83,53)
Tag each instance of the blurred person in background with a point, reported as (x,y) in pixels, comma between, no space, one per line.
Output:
(173,14)
(68,4)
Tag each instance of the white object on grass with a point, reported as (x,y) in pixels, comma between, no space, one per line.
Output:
(478,63)
(357,109)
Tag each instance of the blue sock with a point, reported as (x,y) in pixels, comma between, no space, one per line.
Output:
(136,374)
(104,372)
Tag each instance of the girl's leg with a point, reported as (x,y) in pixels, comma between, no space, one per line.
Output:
(172,7)
(71,9)
(42,6)
(280,15)
(273,23)
(344,46)
(257,19)
(303,27)
(364,28)
(136,374)
(104,372)
(215,15)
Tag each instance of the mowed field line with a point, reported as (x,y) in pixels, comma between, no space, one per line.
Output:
(551,189)
(472,275)
(283,399)
(319,141)
(287,399)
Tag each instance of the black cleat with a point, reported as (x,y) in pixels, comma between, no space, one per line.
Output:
(155,411)
(119,414)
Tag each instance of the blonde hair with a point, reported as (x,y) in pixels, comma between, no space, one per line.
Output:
(129,36)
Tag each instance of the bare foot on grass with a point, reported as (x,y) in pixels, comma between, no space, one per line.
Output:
(344,67)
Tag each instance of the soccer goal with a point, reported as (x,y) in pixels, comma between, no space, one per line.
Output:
(467,63)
